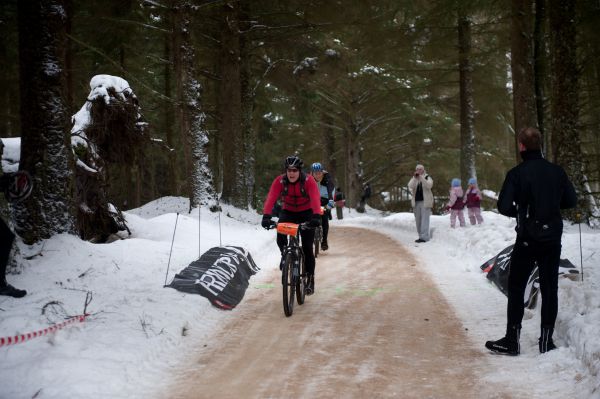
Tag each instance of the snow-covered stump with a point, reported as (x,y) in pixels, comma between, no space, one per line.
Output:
(106,130)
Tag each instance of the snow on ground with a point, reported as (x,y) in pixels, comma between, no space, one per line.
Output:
(139,331)
(453,258)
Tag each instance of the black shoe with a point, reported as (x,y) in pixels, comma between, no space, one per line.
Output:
(9,290)
(310,287)
(324,246)
(545,342)
(504,346)
(420,240)
(546,346)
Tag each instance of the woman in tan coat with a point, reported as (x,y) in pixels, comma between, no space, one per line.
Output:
(422,201)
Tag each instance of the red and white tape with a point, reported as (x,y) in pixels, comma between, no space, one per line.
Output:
(17,339)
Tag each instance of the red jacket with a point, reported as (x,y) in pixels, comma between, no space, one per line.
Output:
(473,198)
(294,201)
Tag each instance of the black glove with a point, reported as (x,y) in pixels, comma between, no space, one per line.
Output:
(315,221)
(266,222)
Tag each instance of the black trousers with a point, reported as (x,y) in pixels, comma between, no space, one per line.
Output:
(7,238)
(523,260)
(307,236)
(325,223)
(325,218)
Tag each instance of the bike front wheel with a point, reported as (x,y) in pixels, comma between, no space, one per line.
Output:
(301,283)
(288,285)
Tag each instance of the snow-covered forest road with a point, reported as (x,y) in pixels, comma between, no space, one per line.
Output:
(376,327)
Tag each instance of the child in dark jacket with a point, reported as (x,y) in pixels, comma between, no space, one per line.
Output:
(456,204)
(474,202)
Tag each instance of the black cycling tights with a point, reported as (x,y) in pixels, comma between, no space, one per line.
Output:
(308,236)
(547,256)
(6,240)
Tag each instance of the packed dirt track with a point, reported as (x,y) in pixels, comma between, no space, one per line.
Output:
(377,327)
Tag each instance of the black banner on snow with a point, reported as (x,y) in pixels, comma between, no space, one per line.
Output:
(221,275)
(497,272)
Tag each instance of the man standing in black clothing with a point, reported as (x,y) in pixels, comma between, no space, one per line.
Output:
(7,238)
(534,192)
(12,185)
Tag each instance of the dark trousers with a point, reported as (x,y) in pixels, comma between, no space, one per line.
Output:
(7,238)
(325,218)
(522,262)
(325,224)
(307,236)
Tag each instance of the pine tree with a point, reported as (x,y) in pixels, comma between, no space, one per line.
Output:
(524,100)
(44,118)
(566,141)
(467,128)
(190,114)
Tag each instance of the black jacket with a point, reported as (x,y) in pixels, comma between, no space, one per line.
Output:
(327,181)
(534,192)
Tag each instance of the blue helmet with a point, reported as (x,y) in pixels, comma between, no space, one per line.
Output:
(317,167)
(473,181)
(455,182)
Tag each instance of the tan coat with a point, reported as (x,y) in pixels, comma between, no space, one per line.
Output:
(427,183)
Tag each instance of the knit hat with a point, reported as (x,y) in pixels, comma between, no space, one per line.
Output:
(455,182)
(473,181)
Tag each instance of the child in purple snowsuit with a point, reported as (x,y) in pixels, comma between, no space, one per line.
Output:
(456,204)
(474,202)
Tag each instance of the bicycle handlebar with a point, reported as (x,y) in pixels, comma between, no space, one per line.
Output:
(303,226)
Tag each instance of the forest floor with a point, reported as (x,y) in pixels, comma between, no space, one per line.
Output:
(377,326)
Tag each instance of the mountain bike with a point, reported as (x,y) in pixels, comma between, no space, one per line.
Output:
(293,274)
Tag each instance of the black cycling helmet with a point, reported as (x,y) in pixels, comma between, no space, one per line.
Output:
(293,162)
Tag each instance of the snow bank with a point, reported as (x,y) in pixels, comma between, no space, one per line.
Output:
(139,331)
(453,258)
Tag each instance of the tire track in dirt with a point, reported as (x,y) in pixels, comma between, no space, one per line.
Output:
(376,327)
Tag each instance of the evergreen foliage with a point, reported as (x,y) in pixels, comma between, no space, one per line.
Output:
(367,88)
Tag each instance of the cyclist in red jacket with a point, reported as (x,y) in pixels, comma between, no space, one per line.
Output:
(301,203)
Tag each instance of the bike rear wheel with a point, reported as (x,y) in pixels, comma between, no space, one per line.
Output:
(318,236)
(288,284)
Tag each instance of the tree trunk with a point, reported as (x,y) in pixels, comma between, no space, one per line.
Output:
(329,147)
(189,112)
(595,93)
(540,61)
(230,108)
(524,107)
(566,142)
(467,129)
(172,173)
(353,184)
(9,118)
(69,58)
(248,132)
(45,153)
